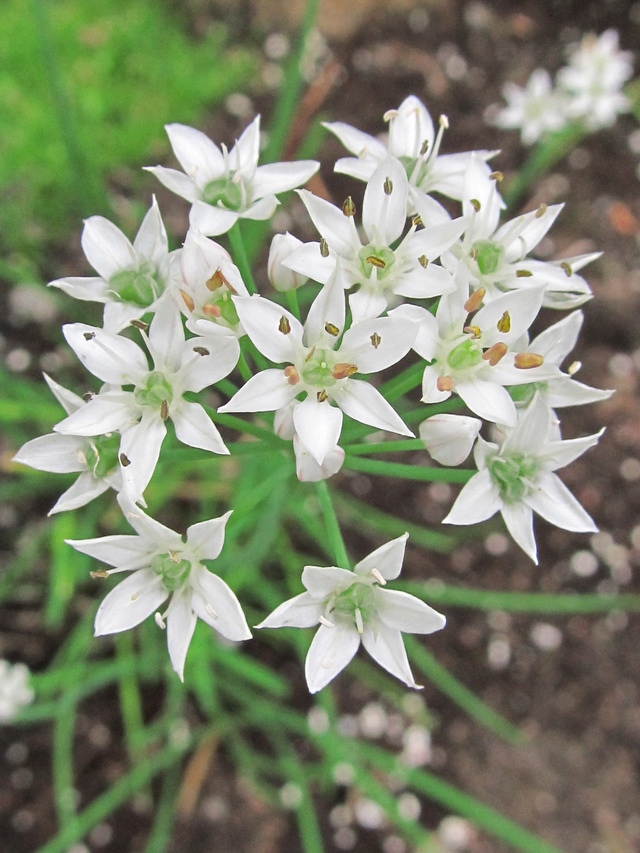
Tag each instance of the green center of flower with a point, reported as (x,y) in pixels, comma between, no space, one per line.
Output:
(223,191)
(359,597)
(487,256)
(514,475)
(524,394)
(155,391)
(172,569)
(227,308)
(102,454)
(466,354)
(138,286)
(382,258)
(317,371)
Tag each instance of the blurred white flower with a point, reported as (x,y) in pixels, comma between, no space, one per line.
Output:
(535,109)
(15,691)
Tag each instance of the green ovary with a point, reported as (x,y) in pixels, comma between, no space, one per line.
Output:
(487,256)
(317,371)
(228,309)
(138,286)
(172,569)
(372,256)
(102,454)
(155,391)
(360,596)
(464,355)
(514,476)
(225,191)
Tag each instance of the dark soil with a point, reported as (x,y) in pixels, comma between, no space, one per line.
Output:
(572,683)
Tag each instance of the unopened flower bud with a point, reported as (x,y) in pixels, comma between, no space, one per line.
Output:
(449,438)
(280,276)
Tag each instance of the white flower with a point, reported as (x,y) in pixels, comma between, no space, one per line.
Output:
(449,438)
(320,363)
(140,415)
(15,692)
(516,478)
(163,565)
(381,270)
(593,80)
(351,607)
(281,277)
(412,141)
(95,458)
(535,109)
(224,186)
(132,278)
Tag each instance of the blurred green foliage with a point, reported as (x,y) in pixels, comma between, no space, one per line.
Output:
(86,87)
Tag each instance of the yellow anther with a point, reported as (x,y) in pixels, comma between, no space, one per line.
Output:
(164,410)
(474,331)
(574,367)
(188,300)
(444,383)
(99,574)
(504,323)
(423,260)
(332,330)
(216,281)
(324,248)
(124,460)
(140,324)
(376,340)
(388,186)
(284,325)
(348,207)
(567,269)
(495,353)
(424,147)
(416,220)
(293,377)
(342,370)
(321,396)
(375,261)
(527,360)
(541,210)
(497,177)
(475,204)
(474,301)
(310,354)
(523,273)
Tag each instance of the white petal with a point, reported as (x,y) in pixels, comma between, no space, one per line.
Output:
(518,518)
(181,623)
(166,337)
(100,416)
(112,358)
(321,581)
(478,501)
(308,470)
(307,260)
(59,454)
(176,181)
(244,155)
(407,613)
(263,208)
(336,228)
(218,606)
(557,454)
(200,371)
(387,559)
(426,341)
(330,651)
(207,537)
(151,240)
(410,127)
(155,534)
(356,140)
(262,319)
(130,602)
(366,303)
(106,247)
(67,399)
(302,611)
(84,287)
(449,438)
(554,502)
(318,425)
(141,445)
(194,427)
(85,489)
(264,392)
(393,338)
(281,177)
(211,220)
(118,550)
(200,158)
(385,646)
(328,308)
(384,214)
(364,403)
(488,400)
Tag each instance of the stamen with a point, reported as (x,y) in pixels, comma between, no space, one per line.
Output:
(321,396)
(326,622)
(211,310)
(495,353)
(388,186)
(140,324)
(574,367)
(527,360)
(101,573)
(211,611)
(164,410)
(390,114)
(359,622)
(541,210)
(124,460)
(474,301)
(475,204)
(504,323)
(284,325)
(376,340)
(324,248)
(375,261)
(188,301)
(376,574)
(423,260)
(416,220)
(174,556)
(332,330)
(310,355)
(424,147)
(567,268)
(293,377)
(444,122)
(497,177)
(201,350)
(216,281)
(444,383)
(348,207)
(474,331)
(159,620)
(523,273)
(88,396)
(89,336)
(343,370)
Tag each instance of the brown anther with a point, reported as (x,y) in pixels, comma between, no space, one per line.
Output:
(343,370)
(474,331)
(475,204)
(423,260)
(88,396)
(541,210)
(523,273)
(387,186)
(567,269)
(293,377)
(99,574)
(216,281)
(444,383)
(376,340)
(474,301)
(332,330)
(140,324)
(504,323)
(201,350)
(124,460)
(527,360)
(164,410)
(375,261)
(89,336)
(188,301)
(416,220)
(497,177)
(424,147)
(321,396)
(495,353)
(324,248)
(284,325)
(211,310)
(348,207)
(310,354)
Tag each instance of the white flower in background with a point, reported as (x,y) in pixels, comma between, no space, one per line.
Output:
(163,565)
(15,692)
(449,438)
(281,277)
(132,278)
(381,270)
(94,458)
(352,607)
(593,80)
(414,142)
(140,415)
(308,470)
(209,280)
(516,478)
(224,186)
(535,109)
(554,345)
(321,363)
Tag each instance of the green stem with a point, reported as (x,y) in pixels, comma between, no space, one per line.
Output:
(241,258)
(407,472)
(292,301)
(245,370)
(331,523)
(384,447)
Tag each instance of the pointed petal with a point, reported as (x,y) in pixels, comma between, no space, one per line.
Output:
(217,605)
(385,646)
(85,489)
(99,416)
(166,337)
(59,454)
(116,550)
(555,503)
(176,181)
(356,141)
(202,371)
(302,611)
(366,303)
(262,320)
(336,228)
(244,155)
(518,518)
(112,358)
(207,537)
(86,288)
(328,308)
(384,214)
(281,177)
(364,403)
(318,425)
(211,220)
(387,559)
(308,261)
(130,602)
(67,399)
(156,535)
(200,158)
(376,344)
(478,501)
(262,208)
(488,400)
(308,470)
(321,581)
(407,613)
(181,623)
(151,241)
(194,427)
(410,127)
(264,392)
(106,247)
(330,651)
(141,445)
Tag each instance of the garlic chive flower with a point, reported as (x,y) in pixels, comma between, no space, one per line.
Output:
(15,690)
(353,607)
(164,565)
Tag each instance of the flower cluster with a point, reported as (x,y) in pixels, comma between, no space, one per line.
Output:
(406,279)
(588,89)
